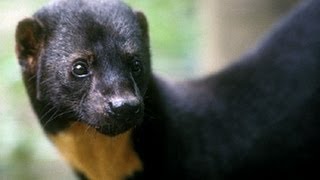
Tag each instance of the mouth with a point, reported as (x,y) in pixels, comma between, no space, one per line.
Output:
(116,116)
(112,126)
(116,128)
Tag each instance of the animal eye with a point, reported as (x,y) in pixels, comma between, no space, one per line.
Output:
(80,69)
(136,67)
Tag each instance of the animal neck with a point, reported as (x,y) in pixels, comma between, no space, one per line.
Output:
(96,155)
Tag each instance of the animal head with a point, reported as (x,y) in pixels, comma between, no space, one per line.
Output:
(89,58)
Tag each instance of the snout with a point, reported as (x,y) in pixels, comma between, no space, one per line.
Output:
(125,109)
(121,114)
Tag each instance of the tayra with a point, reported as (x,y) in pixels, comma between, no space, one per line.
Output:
(86,67)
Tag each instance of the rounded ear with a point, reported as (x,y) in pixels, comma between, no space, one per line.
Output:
(143,23)
(29,39)
(29,35)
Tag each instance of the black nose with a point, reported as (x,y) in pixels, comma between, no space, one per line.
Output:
(124,108)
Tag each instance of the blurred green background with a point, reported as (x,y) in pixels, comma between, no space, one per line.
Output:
(182,47)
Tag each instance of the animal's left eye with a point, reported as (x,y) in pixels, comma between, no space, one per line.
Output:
(136,67)
(80,69)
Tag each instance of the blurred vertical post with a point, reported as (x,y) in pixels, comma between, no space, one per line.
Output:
(209,51)
(229,27)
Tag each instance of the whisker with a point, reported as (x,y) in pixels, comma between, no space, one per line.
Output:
(81,102)
(49,79)
(73,124)
(50,119)
(63,113)
(46,113)
(87,130)
(31,78)
(55,115)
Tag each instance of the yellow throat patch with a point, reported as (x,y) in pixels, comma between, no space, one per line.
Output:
(97,156)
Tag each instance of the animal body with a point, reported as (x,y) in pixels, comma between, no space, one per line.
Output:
(86,68)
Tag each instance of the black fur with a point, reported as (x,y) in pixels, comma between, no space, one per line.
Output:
(109,37)
(257,119)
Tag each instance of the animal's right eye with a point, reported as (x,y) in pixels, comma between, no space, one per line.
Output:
(80,69)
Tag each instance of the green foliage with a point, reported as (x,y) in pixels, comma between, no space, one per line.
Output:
(172,24)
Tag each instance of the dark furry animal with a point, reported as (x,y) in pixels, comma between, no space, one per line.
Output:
(86,67)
